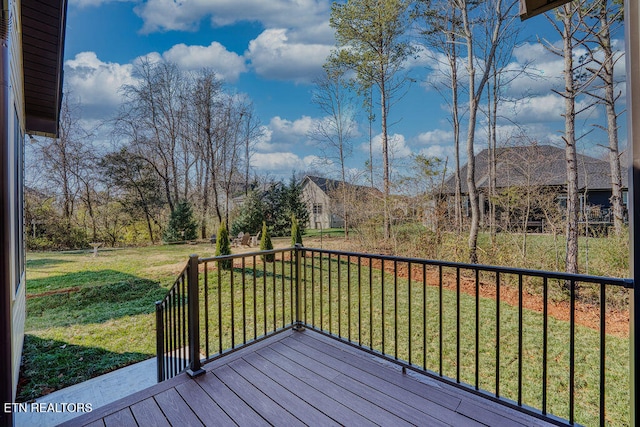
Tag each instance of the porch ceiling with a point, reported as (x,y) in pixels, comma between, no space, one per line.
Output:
(43,32)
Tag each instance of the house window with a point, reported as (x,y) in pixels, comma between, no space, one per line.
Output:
(317,209)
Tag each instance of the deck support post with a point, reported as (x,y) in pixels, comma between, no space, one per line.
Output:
(195,368)
(299,325)
(632,44)
(160,340)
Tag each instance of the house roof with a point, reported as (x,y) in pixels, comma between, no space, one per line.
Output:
(327,185)
(43,33)
(536,165)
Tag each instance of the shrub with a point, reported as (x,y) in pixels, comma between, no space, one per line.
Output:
(265,244)
(296,233)
(223,246)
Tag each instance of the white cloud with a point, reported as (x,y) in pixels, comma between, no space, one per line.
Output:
(273,55)
(281,134)
(227,64)
(164,15)
(398,148)
(435,137)
(282,163)
(96,83)
(542,109)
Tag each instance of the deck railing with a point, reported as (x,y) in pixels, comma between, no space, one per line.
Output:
(467,325)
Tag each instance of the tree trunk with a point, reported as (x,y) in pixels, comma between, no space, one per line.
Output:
(385,159)
(612,120)
(570,148)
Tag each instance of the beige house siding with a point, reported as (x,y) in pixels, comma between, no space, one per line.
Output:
(320,207)
(15,121)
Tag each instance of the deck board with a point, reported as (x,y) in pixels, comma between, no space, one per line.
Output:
(304,378)
(380,392)
(149,411)
(205,408)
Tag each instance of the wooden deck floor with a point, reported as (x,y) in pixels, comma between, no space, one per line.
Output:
(303,378)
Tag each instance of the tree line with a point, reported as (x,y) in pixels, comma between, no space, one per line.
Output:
(179,137)
(184,136)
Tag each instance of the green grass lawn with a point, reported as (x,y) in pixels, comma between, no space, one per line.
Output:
(87,316)
(107,320)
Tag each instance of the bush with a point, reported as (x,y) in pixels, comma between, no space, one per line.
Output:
(265,244)
(223,246)
(296,233)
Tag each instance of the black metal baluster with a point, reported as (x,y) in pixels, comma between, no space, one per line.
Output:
(477,361)
(382,298)
(572,351)
(395,309)
(219,308)
(255,296)
(339,300)
(313,288)
(244,301)
(264,296)
(440,314)
(409,335)
(424,316)
(520,339)
(206,308)
(349,298)
(457,324)
(275,300)
(545,325)
(330,299)
(359,300)
(321,295)
(497,334)
(603,312)
(371,303)
(233,317)
(284,306)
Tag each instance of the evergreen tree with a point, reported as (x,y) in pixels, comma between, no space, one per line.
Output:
(296,234)
(251,215)
(182,226)
(265,244)
(295,204)
(223,246)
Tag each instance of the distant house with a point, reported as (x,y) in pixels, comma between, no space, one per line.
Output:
(32,33)
(540,166)
(324,203)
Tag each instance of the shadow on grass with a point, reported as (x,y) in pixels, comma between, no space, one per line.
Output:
(78,279)
(49,365)
(91,303)
(44,262)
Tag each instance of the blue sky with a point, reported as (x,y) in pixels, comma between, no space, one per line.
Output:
(269,51)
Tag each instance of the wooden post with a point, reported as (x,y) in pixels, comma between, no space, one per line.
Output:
(195,369)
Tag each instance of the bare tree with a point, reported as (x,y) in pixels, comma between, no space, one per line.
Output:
(568,28)
(370,36)
(439,25)
(498,15)
(64,161)
(334,132)
(152,118)
(607,16)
